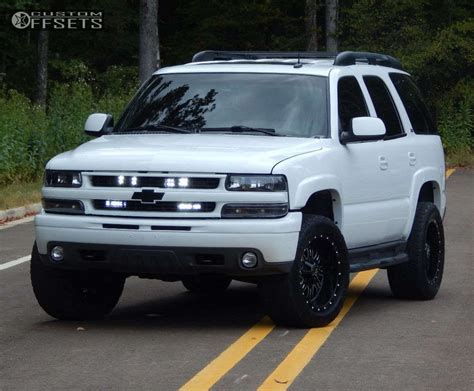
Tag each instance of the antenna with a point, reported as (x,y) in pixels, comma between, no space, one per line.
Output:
(299,64)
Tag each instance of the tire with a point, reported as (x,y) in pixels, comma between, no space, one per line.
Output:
(74,295)
(313,293)
(420,277)
(206,284)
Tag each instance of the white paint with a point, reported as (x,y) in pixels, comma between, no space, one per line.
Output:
(243,377)
(18,261)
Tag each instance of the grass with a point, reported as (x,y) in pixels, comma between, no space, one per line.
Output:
(460,159)
(19,194)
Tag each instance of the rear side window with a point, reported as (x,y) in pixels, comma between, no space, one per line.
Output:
(384,105)
(416,109)
(351,102)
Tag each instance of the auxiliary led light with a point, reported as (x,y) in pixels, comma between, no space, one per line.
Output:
(183,182)
(134,181)
(115,204)
(189,206)
(121,180)
(170,182)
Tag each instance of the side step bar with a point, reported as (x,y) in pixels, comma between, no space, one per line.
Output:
(380,256)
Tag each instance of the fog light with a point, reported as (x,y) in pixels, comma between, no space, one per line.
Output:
(249,260)
(57,253)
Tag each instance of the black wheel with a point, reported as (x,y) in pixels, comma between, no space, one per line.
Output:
(420,277)
(74,295)
(206,283)
(313,293)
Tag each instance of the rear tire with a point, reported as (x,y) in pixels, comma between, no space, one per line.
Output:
(313,293)
(206,284)
(420,277)
(74,295)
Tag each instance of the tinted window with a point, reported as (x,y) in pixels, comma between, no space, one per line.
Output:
(416,109)
(293,105)
(383,103)
(350,101)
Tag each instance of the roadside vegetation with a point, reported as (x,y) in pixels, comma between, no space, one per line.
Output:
(88,73)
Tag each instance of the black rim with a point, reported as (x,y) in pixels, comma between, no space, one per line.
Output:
(320,274)
(432,251)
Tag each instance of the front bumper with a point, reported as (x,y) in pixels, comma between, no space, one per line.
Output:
(167,246)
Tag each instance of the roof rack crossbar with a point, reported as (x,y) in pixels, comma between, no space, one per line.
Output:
(216,55)
(351,58)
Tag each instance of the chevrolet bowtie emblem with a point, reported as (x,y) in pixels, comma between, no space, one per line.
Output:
(147,196)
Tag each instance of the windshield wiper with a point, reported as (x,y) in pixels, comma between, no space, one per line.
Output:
(156,128)
(242,129)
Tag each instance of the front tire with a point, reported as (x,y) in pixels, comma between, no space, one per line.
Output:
(74,295)
(420,277)
(313,293)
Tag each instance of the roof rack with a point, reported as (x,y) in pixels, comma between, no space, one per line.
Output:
(215,55)
(351,58)
(341,59)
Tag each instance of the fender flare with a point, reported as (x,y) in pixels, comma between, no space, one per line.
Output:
(314,184)
(428,174)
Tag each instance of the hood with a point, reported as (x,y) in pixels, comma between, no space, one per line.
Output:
(210,153)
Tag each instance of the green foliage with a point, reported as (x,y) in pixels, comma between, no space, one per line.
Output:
(22,138)
(456,127)
(29,137)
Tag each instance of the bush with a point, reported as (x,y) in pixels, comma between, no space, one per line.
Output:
(22,138)
(456,126)
(29,137)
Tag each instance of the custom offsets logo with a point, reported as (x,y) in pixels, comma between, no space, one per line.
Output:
(58,20)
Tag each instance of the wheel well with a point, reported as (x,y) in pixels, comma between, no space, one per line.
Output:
(324,203)
(426,193)
(430,192)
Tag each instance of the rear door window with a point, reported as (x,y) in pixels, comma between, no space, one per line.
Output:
(415,107)
(384,106)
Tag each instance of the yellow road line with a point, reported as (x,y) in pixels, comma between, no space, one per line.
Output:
(449,172)
(303,352)
(223,363)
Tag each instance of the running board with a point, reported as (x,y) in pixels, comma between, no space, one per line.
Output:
(380,256)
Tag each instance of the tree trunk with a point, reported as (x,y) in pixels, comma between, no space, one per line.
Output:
(332,9)
(312,24)
(42,68)
(149,51)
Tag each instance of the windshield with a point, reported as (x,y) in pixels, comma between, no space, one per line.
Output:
(272,104)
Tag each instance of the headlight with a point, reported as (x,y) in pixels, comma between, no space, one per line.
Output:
(63,206)
(254,211)
(55,178)
(256,183)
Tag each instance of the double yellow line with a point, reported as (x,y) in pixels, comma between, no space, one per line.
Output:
(294,362)
(287,371)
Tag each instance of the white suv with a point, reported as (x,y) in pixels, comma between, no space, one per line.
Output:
(289,170)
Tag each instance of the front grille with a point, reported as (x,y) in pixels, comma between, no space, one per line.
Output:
(162,206)
(151,181)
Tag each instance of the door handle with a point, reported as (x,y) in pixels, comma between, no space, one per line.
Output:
(383,163)
(411,158)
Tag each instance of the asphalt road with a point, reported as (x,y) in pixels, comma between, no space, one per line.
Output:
(160,337)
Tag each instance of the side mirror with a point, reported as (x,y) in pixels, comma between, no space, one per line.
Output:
(364,129)
(98,124)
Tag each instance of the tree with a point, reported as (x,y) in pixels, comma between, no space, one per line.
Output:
(332,10)
(149,50)
(312,24)
(42,68)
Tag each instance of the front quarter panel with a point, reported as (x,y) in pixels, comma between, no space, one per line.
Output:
(310,173)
